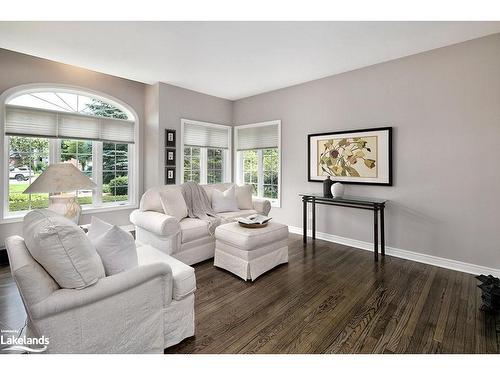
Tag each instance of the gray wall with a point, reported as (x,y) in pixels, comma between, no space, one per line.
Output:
(19,69)
(158,106)
(444,106)
(167,105)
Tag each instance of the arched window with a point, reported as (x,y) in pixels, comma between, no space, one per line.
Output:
(96,134)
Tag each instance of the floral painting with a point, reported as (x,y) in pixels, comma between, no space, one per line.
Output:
(354,157)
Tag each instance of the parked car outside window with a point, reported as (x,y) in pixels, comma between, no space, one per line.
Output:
(21,173)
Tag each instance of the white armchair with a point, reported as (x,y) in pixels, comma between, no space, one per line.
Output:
(130,312)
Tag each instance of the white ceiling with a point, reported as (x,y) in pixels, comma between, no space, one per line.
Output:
(232,60)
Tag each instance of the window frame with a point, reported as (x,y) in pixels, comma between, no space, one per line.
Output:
(238,167)
(7,216)
(226,155)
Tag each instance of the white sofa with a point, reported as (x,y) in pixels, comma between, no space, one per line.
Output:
(188,239)
(142,310)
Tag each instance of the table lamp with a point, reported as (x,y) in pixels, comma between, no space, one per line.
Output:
(61,178)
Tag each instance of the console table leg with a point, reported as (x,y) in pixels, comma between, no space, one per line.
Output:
(313,203)
(304,220)
(375,233)
(382,232)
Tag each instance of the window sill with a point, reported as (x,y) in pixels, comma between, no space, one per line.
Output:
(16,218)
(274,203)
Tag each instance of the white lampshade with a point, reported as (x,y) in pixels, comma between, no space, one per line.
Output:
(60,178)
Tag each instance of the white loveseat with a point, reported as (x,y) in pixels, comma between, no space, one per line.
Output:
(187,240)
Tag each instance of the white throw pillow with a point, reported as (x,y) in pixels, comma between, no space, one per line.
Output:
(115,246)
(224,201)
(97,228)
(62,248)
(244,197)
(173,203)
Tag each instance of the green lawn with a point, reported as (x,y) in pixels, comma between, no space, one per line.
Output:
(18,188)
(19,201)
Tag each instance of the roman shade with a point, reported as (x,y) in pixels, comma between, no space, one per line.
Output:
(34,122)
(257,137)
(214,136)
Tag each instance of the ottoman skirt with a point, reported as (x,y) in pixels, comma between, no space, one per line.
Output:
(248,253)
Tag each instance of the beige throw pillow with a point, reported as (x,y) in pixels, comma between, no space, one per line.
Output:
(244,197)
(224,201)
(115,246)
(62,248)
(173,203)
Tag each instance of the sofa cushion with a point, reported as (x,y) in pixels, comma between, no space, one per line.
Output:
(244,197)
(62,248)
(250,238)
(209,188)
(235,215)
(224,201)
(184,280)
(173,203)
(115,246)
(193,229)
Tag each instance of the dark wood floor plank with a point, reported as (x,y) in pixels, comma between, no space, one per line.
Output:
(451,322)
(411,318)
(328,298)
(422,338)
(394,330)
(358,329)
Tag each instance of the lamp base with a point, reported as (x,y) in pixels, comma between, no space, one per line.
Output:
(66,206)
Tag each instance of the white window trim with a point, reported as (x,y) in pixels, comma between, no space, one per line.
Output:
(226,172)
(133,193)
(238,167)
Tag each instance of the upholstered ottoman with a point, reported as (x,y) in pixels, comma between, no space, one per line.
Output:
(248,253)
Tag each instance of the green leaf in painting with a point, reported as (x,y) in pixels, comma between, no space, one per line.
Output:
(352,172)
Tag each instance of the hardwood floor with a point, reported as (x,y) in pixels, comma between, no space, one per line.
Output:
(329,298)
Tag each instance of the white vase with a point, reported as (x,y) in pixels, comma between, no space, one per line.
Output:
(337,190)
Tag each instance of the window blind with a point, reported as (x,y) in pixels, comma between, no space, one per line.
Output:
(197,135)
(257,137)
(25,121)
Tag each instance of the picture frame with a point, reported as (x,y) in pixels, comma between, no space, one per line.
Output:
(169,175)
(169,138)
(360,156)
(170,157)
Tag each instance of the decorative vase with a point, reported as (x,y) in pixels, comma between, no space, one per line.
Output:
(66,206)
(337,190)
(327,187)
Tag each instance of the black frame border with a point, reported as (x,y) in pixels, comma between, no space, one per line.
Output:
(387,128)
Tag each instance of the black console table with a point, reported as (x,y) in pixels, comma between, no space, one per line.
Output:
(373,204)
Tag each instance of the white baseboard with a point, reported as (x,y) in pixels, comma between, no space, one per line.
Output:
(405,254)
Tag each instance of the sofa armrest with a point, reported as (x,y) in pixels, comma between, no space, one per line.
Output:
(155,222)
(63,300)
(262,206)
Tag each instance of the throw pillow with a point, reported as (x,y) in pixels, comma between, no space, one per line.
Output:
(244,197)
(173,203)
(97,228)
(224,201)
(62,248)
(115,246)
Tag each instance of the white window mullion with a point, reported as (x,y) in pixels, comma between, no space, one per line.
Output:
(130,172)
(260,173)
(54,151)
(203,165)
(97,173)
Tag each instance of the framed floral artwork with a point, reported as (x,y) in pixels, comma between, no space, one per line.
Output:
(353,157)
